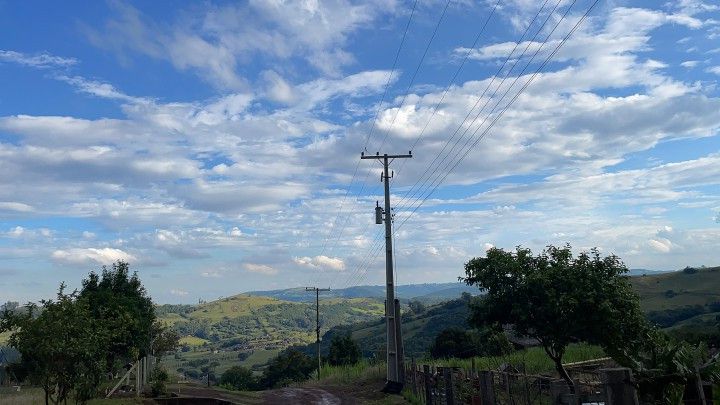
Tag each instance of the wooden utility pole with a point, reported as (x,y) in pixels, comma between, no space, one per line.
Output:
(395,370)
(317,320)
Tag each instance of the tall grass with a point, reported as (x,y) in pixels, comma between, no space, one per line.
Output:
(534,359)
(361,371)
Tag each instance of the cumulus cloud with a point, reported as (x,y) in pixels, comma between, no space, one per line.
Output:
(260,269)
(90,255)
(321,262)
(223,38)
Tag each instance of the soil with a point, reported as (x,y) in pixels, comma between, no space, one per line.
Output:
(362,392)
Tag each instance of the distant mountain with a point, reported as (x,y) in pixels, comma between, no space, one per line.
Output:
(646,272)
(429,293)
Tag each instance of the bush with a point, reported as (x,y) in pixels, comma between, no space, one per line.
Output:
(158,380)
(458,343)
(238,378)
(343,351)
(290,366)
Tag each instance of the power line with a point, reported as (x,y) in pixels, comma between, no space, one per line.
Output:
(480,98)
(372,129)
(402,103)
(504,109)
(410,194)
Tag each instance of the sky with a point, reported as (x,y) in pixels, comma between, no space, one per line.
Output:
(215,146)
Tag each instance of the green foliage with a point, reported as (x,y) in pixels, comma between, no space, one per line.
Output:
(460,343)
(417,307)
(663,366)
(62,347)
(238,378)
(289,366)
(343,351)
(158,381)
(557,299)
(164,339)
(119,300)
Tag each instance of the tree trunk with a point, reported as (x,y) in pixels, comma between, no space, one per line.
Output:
(47,397)
(564,374)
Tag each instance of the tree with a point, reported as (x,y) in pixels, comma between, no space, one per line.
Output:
(119,299)
(290,366)
(454,342)
(343,351)
(460,343)
(238,378)
(164,339)
(62,347)
(558,299)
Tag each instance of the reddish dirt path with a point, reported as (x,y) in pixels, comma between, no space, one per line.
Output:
(301,396)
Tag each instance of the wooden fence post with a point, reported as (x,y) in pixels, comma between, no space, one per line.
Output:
(487,388)
(449,395)
(428,387)
(619,388)
(413,377)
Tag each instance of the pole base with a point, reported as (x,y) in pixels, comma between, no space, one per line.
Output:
(392,387)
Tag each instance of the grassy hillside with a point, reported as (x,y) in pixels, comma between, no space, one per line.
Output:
(679,288)
(427,292)
(249,329)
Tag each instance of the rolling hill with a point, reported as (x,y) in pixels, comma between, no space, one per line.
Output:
(250,328)
(427,292)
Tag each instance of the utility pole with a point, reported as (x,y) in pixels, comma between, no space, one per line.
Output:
(395,371)
(317,320)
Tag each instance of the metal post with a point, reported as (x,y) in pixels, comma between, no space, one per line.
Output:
(394,345)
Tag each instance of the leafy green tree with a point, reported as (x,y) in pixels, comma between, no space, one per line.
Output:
(460,343)
(119,299)
(290,366)
(62,347)
(164,339)
(558,299)
(343,351)
(238,378)
(454,342)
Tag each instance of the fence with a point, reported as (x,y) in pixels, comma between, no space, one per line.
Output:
(452,385)
(141,371)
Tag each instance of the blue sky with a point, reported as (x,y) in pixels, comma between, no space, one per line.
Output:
(214,146)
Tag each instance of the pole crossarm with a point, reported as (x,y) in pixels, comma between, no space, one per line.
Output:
(378,156)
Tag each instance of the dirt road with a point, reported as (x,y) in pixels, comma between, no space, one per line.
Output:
(298,396)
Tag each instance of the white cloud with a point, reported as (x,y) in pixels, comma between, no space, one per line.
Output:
(87,255)
(321,262)
(689,64)
(260,269)
(215,43)
(714,69)
(15,206)
(178,292)
(42,60)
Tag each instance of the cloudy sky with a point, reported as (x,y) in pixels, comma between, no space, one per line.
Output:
(216,146)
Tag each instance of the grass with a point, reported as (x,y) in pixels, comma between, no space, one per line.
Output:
(226,359)
(699,288)
(192,341)
(535,360)
(231,307)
